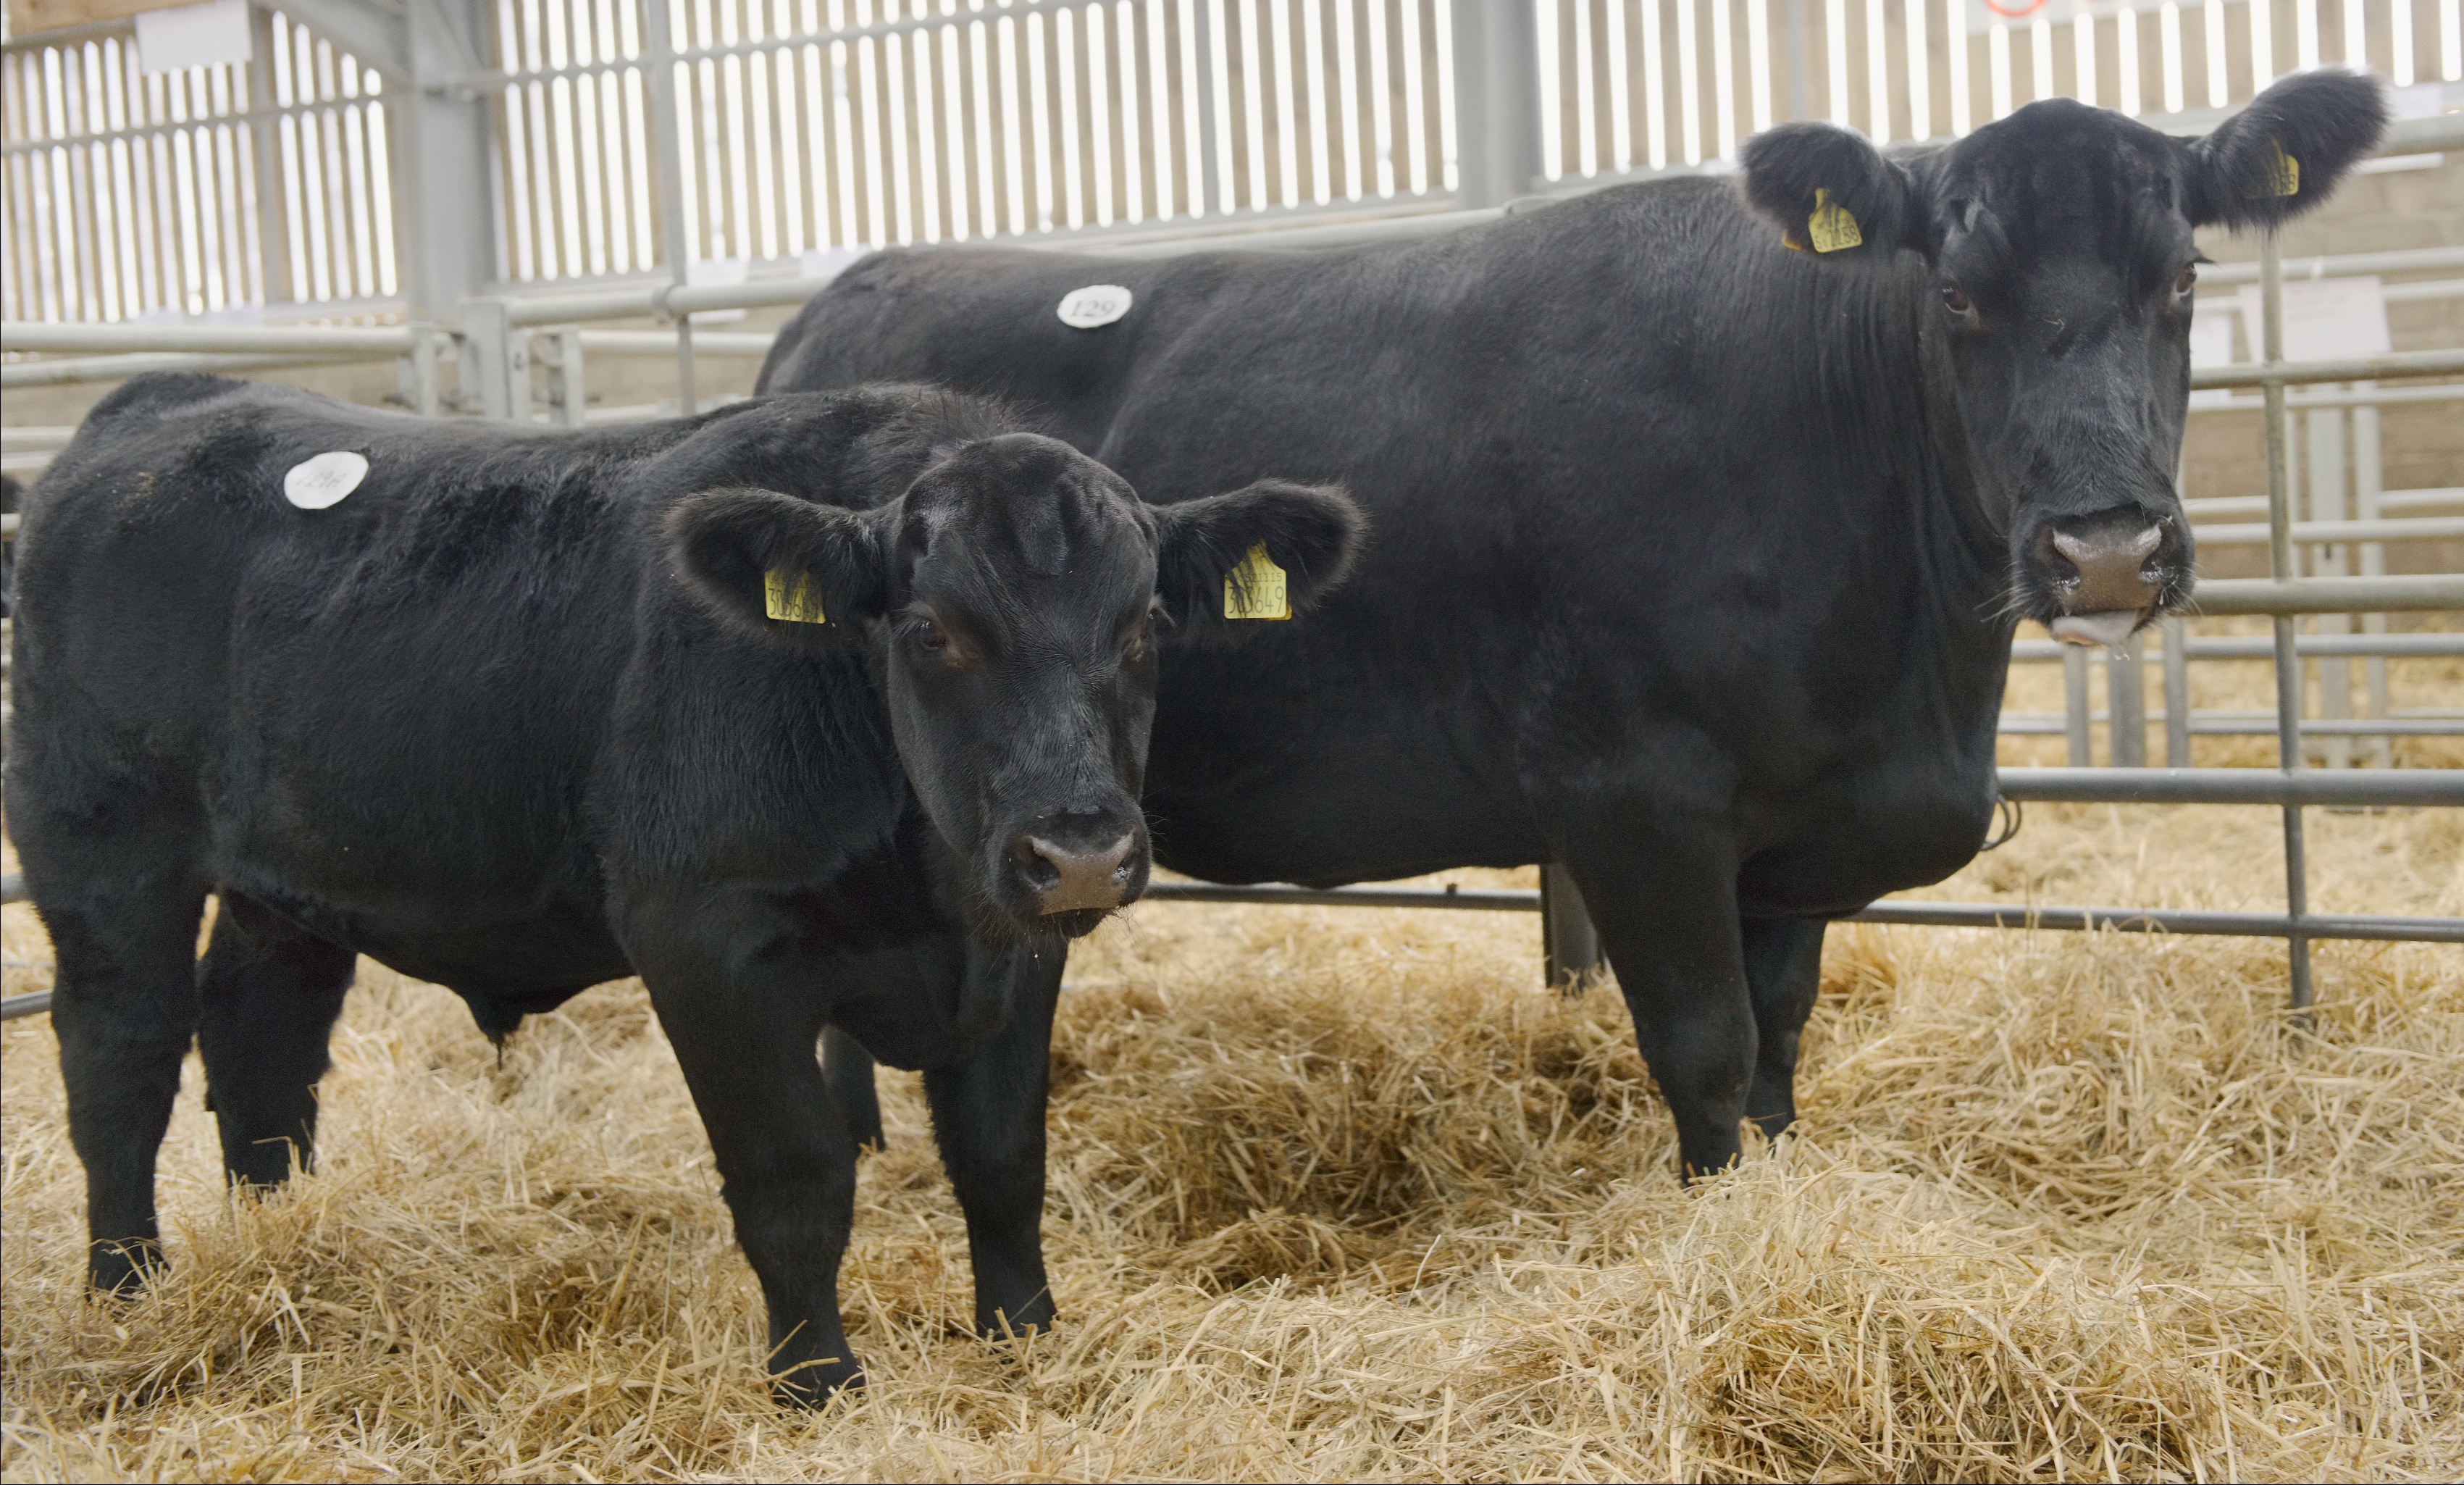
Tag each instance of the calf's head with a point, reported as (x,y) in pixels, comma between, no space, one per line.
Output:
(1014,593)
(2060,266)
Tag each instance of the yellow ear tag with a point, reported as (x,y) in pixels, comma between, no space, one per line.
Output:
(792,596)
(2283,177)
(1256,588)
(1831,227)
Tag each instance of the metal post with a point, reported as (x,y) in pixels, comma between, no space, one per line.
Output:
(2125,684)
(667,127)
(568,390)
(273,226)
(1569,945)
(2370,482)
(1212,173)
(2177,693)
(2288,662)
(2074,707)
(2323,442)
(1796,88)
(442,158)
(496,360)
(1497,100)
(425,398)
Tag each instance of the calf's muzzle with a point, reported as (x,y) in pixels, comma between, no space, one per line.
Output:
(1073,880)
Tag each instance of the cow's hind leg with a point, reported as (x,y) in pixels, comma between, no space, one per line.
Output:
(1666,910)
(123,1007)
(1784,966)
(988,1118)
(268,995)
(847,1069)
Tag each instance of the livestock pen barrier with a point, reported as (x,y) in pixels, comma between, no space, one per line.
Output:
(495,344)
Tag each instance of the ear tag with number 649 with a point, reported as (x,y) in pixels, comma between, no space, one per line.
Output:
(1256,588)
(792,596)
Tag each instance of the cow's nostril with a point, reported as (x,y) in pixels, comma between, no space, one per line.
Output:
(1082,879)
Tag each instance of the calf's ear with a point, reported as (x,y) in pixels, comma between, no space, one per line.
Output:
(2288,150)
(1829,191)
(1206,566)
(775,564)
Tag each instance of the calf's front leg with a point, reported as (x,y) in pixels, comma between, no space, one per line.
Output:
(786,1161)
(988,1116)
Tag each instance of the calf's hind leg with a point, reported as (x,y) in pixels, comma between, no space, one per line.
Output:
(268,995)
(1784,966)
(123,1007)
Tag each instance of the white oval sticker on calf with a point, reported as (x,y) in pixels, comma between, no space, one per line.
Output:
(1093,306)
(325,479)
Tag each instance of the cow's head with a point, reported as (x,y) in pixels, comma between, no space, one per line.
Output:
(1014,592)
(2061,261)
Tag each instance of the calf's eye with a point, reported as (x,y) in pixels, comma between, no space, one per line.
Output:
(929,635)
(2183,281)
(1957,301)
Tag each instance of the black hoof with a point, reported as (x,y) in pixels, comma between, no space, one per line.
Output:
(812,1384)
(122,1270)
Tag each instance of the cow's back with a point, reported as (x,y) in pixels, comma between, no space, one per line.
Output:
(1637,480)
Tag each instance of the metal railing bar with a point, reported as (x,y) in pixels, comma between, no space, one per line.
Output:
(2420,500)
(2231,646)
(2342,265)
(2384,396)
(706,343)
(2283,596)
(1912,914)
(2418,529)
(2383,788)
(2051,724)
(2355,368)
(40,335)
(168,126)
(115,368)
(17,1006)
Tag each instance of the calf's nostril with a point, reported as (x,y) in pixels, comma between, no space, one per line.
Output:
(1082,879)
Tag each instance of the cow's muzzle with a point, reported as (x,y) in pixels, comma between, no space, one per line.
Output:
(2109,576)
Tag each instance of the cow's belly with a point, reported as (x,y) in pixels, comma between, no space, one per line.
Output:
(1861,835)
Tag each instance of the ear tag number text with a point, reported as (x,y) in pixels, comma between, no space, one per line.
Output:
(1256,588)
(2283,173)
(1094,306)
(323,480)
(792,596)
(1831,228)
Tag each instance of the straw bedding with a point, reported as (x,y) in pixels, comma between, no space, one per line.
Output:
(1344,1194)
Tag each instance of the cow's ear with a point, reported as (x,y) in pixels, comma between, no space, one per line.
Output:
(774,565)
(2288,150)
(1827,190)
(1207,566)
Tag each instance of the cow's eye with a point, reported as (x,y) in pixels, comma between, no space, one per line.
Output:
(2184,280)
(1955,299)
(930,635)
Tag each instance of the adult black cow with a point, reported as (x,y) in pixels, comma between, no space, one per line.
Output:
(1706,512)
(824,710)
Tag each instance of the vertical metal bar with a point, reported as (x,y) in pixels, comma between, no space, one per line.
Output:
(1211,171)
(572,388)
(1569,945)
(2370,482)
(2288,662)
(2125,681)
(2177,693)
(272,228)
(425,400)
(2323,442)
(2075,707)
(660,47)
(1499,148)
(1796,86)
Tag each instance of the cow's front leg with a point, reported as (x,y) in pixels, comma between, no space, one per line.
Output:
(744,1028)
(988,1116)
(1665,904)
(1784,966)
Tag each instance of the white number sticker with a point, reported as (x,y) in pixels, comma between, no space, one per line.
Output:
(325,479)
(1095,305)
